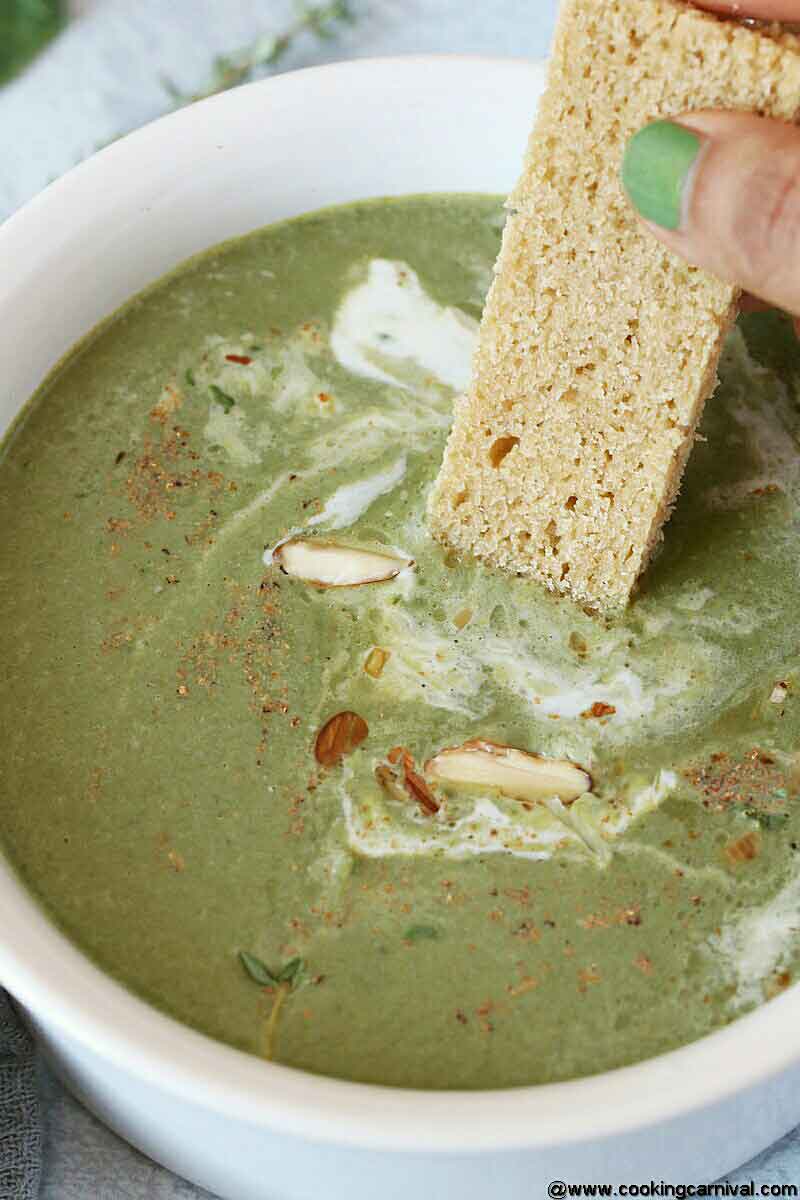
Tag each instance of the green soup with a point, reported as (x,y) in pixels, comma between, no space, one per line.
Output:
(165,683)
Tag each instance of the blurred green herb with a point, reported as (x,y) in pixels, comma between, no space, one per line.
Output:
(421,933)
(768,820)
(230,70)
(222,398)
(25,27)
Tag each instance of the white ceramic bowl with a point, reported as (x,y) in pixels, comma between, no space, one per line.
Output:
(244,1128)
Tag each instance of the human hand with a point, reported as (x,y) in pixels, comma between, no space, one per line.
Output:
(723,189)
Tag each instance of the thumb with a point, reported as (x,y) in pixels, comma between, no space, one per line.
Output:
(723,190)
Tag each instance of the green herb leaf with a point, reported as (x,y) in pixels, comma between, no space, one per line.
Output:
(190,377)
(421,933)
(25,27)
(222,398)
(290,972)
(768,820)
(257,970)
(229,70)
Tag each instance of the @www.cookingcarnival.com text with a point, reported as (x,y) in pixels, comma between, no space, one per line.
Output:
(558,1189)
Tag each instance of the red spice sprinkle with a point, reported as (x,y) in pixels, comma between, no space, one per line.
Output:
(243,359)
(599,709)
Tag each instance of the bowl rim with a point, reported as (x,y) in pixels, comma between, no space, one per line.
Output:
(138,1038)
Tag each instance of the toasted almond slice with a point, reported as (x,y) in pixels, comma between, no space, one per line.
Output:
(389,781)
(328,564)
(517,774)
(418,789)
(410,784)
(400,754)
(340,735)
(375,661)
(743,849)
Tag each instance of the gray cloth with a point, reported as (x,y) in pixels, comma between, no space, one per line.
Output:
(20,1121)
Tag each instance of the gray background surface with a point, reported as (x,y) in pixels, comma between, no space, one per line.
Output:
(102,78)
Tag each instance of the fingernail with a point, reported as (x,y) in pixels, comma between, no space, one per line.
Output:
(656,170)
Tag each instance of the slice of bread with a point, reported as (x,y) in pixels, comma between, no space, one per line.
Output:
(598,348)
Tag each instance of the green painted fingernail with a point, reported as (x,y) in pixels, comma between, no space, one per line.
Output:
(656,168)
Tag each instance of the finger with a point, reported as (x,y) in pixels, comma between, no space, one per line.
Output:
(765,10)
(723,191)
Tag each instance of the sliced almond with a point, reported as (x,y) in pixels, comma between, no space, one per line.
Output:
(517,774)
(744,849)
(418,789)
(375,661)
(399,754)
(462,618)
(328,564)
(410,784)
(389,782)
(339,736)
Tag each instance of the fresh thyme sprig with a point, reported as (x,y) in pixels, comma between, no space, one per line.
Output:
(260,973)
(280,983)
(266,51)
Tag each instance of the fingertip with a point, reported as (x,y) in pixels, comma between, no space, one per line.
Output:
(764,10)
(740,203)
(656,169)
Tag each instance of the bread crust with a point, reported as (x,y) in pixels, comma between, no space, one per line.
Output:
(598,347)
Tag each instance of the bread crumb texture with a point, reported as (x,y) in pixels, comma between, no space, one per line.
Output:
(598,348)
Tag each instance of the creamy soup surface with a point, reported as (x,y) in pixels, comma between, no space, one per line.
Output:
(165,683)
